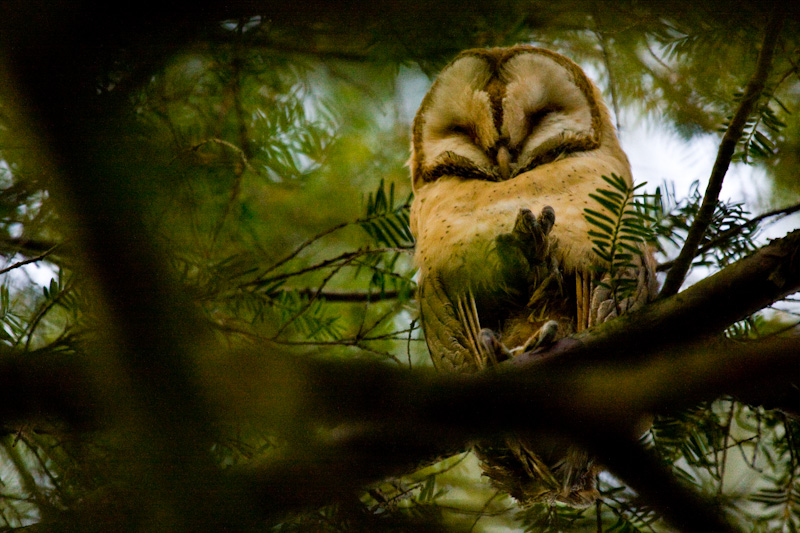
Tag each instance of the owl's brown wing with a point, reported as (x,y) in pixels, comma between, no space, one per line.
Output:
(456,340)
(451,345)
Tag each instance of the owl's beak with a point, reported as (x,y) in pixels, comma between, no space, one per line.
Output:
(504,162)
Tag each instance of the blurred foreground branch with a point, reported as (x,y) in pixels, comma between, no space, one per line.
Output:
(431,414)
(591,389)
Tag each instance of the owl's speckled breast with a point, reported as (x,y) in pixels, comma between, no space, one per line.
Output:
(460,246)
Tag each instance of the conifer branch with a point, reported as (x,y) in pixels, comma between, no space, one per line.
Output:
(313,298)
(344,296)
(30,247)
(703,310)
(734,231)
(345,257)
(727,147)
(325,233)
(28,261)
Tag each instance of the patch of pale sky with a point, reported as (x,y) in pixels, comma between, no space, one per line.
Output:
(657,154)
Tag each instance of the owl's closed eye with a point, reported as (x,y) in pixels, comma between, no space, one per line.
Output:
(484,109)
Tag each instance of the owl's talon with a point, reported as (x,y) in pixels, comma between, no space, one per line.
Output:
(547,219)
(496,349)
(527,242)
(525,224)
(543,337)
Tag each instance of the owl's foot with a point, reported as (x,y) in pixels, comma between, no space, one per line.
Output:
(491,345)
(530,234)
(543,337)
(493,350)
(524,251)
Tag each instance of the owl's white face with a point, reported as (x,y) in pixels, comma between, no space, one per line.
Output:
(494,114)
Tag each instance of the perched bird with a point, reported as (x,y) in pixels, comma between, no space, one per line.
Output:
(507,146)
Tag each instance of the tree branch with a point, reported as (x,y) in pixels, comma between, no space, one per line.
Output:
(28,261)
(727,147)
(645,474)
(595,406)
(335,295)
(704,309)
(736,230)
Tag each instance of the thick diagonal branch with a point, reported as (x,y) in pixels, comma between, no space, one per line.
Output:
(593,405)
(727,147)
(704,309)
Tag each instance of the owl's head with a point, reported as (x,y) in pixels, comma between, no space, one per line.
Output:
(496,113)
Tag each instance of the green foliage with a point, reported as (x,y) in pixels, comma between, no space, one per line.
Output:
(552,518)
(781,497)
(385,221)
(621,234)
(730,236)
(620,511)
(761,130)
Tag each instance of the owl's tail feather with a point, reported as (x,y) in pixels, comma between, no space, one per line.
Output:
(515,468)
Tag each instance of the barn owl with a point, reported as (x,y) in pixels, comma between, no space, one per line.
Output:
(507,146)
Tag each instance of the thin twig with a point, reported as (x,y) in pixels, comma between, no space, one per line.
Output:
(635,514)
(319,236)
(736,230)
(236,188)
(33,448)
(243,138)
(787,425)
(350,341)
(347,257)
(611,81)
(227,144)
(722,463)
(386,355)
(313,298)
(598,511)
(29,261)
(727,147)
(335,295)
(43,311)
(471,512)
(408,344)
(483,510)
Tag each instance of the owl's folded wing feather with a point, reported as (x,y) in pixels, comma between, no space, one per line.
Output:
(447,338)
(603,305)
